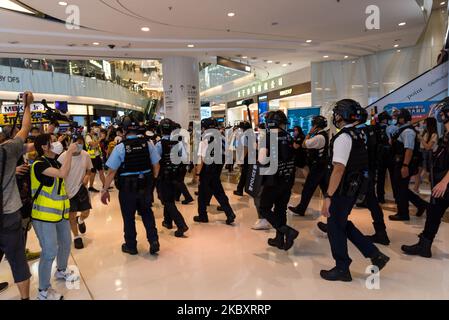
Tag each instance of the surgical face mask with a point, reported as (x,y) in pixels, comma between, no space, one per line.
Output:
(56,147)
(393,122)
(56,131)
(80,147)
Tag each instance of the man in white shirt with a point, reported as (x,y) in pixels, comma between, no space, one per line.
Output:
(75,185)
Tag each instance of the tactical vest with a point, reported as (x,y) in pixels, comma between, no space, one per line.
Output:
(371,144)
(398,150)
(137,157)
(383,145)
(210,167)
(169,170)
(286,160)
(319,157)
(441,159)
(51,204)
(355,177)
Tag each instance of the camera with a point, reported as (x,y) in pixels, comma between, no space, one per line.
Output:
(111,46)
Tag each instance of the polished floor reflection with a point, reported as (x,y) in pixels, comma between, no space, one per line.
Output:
(216,261)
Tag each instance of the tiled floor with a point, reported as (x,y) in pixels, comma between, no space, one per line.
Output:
(216,261)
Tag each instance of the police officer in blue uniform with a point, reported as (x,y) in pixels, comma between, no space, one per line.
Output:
(370,200)
(209,172)
(168,183)
(406,157)
(440,191)
(349,158)
(134,164)
(317,145)
(384,156)
(272,199)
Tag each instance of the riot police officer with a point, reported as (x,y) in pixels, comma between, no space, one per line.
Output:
(168,176)
(384,156)
(406,157)
(244,126)
(349,164)
(274,194)
(317,146)
(135,164)
(209,171)
(370,200)
(440,193)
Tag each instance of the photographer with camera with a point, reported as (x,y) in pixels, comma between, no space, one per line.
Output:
(12,243)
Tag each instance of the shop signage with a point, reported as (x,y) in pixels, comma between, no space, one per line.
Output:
(286,92)
(9,79)
(96,63)
(263,98)
(233,64)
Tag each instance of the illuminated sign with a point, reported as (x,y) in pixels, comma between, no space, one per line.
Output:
(96,63)
(285,92)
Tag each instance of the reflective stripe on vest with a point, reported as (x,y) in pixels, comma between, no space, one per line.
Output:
(49,206)
(91,151)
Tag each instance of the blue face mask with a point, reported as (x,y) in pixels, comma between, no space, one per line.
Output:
(393,122)
(80,147)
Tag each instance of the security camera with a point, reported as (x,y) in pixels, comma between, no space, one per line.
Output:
(111,46)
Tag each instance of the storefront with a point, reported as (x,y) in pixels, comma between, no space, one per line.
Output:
(236,112)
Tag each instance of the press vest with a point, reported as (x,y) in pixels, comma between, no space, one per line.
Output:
(92,150)
(357,166)
(319,157)
(52,203)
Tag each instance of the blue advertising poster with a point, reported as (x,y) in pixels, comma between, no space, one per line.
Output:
(302,118)
(263,109)
(419,110)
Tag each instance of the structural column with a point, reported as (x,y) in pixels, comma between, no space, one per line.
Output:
(181,89)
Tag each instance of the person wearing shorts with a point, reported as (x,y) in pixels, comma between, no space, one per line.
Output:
(94,151)
(77,192)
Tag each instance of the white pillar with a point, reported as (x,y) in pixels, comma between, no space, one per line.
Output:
(181,89)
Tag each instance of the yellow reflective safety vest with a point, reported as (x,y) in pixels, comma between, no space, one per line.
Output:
(92,151)
(52,203)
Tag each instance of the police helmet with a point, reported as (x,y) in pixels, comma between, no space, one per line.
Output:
(130,124)
(209,123)
(362,115)
(275,119)
(442,109)
(348,110)
(383,116)
(404,114)
(319,122)
(167,126)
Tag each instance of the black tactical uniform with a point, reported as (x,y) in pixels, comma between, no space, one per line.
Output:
(438,206)
(210,181)
(272,199)
(384,156)
(317,161)
(244,125)
(168,180)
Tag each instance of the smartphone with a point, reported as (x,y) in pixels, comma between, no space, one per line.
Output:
(20,97)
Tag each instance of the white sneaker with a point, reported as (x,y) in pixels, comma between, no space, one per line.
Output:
(261,224)
(49,294)
(67,275)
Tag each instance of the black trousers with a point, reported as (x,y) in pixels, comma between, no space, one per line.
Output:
(168,189)
(210,185)
(140,201)
(380,180)
(373,206)
(243,177)
(272,203)
(404,195)
(317,177)
(181,188)
(434,215)
(340,229)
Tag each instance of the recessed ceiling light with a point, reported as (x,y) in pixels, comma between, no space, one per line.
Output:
(308,41)
(402,24)
(244,57)
(231,14)
(285,65)
(145,29)
(443,3)
(62,3)
(269,61)
(191,45)
(399,50)
(346,57)
(396,45)
(96,43)
(325,57)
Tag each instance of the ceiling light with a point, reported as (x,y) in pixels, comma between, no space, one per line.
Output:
(443,3)
(396,45)
(191,46)
(96,43)
(145,29)
(399,50)
(231,14)
(285,65)
(269,61)
(346,57)
(325,57)
(62,3)
(10,5)
(402,24)
(308,41)
(244,57)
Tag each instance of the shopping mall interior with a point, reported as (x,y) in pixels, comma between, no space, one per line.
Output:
(98,62)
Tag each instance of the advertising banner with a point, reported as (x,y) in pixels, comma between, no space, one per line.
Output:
(419,110)
(8,113)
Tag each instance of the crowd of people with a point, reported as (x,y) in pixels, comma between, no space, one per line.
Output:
(47,177)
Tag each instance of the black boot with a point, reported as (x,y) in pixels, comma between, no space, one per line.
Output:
(422,248)
(181,230)
(278,241)
(380,237)
(230,218)
(380,260)
(297,211)
(290,235)
(154,247)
